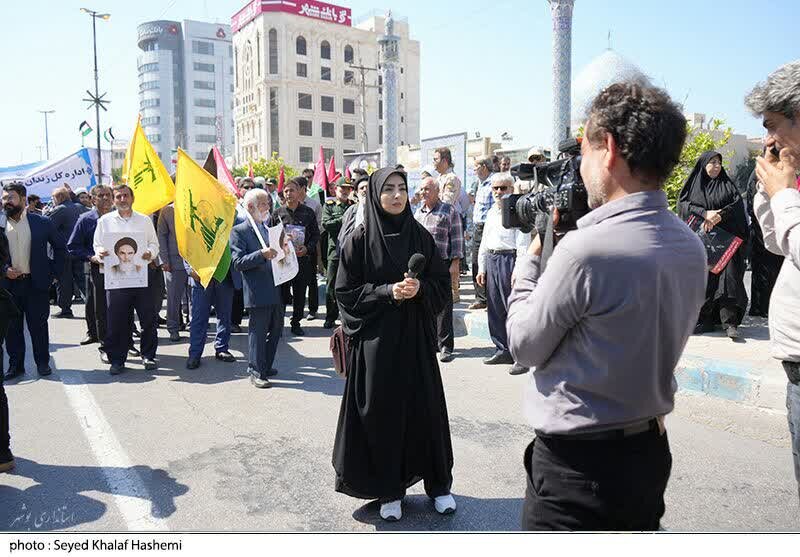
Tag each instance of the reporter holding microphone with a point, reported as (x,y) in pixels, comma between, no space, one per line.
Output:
(393,429)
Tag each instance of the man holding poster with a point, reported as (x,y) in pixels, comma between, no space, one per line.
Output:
(115,240)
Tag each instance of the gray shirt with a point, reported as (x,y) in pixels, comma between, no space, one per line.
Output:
(605,324)
(780,223)
(167,241)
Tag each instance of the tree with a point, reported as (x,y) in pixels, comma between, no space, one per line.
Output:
(698,141)
(116,175)
(268,168)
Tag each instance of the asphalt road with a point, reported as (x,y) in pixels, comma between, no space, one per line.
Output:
(203,450)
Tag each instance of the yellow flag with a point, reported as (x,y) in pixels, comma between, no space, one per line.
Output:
(204,215)
(143,171)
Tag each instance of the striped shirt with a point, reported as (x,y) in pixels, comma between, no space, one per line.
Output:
(483,200)
(444,224)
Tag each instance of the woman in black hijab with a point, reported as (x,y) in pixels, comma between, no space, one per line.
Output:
(393,429)
(712,196)
(765,265)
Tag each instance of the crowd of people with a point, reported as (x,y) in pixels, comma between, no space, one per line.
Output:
(601,321)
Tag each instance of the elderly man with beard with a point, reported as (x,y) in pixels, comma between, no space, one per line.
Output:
(27,275)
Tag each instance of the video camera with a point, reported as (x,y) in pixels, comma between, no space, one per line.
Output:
(557,184)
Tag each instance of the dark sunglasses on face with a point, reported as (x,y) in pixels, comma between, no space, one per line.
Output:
(499,188)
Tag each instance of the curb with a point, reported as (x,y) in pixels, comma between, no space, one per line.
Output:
(733,381)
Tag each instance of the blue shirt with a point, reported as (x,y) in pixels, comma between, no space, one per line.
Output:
(483,200)
(81,241)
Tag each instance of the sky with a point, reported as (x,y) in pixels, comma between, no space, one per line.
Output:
(485,66)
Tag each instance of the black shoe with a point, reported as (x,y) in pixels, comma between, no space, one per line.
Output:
(136,333)
(296,330)
(193,363)
(149,364)
(174,336)
(517,369)
(116,369)
(161,321)
(14,372)
(225,356)
(45,370)
(329,324)
(446,355)
(272,372)
(236,328)
(259,383)
(88,340)
(64,314)
(701,328)
(311,315)
(498,358)
(6,461)
(732,332)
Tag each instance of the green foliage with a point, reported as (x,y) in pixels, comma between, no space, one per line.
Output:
(268,168)
(116,175)
(698,141)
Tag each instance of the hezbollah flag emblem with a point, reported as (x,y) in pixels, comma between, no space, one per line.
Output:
(143,171)
(204,215)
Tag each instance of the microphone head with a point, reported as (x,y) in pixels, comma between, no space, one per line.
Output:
(416,264)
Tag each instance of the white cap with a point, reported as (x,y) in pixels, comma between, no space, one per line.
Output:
(534,152)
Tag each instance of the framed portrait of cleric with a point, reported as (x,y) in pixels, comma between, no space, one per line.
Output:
(124,266)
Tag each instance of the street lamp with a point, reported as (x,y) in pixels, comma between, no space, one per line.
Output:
(96,100)
(46,136)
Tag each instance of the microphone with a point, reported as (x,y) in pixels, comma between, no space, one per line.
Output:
(415,265)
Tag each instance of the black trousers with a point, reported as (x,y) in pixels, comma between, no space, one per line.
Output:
(296,288)
(313,287)
(477,236)
(444,322)
(5,426)
(71,279)
(596,485)
(97,295)
(237,310)
(331,309)
(121,304)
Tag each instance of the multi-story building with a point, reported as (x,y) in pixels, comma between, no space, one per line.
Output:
(297,87)
(186,87)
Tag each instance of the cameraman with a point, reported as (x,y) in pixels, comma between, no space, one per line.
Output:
(777,207)
(605,324)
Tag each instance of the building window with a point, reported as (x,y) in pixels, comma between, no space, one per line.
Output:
(205,120)
(325,74)
(302,70)
(380,135)
(401,69)
(300,46)
(207,85)
(203,138)
(273,51)
(348,77)
(274,132)
(402,119)
(202,47)
(328,130)
(402,95)
(349,131)
(348,151)
(198,67)
(348,106)
(380,110)
(258,54)
(206,103)
(148,85)
(380,79)
(149,103)
(327,153)
(144,68)
(348,54)
(326,103)
(154,137)
(325,50)
(306,154)
(149,46)
(304,101)
(306,128)
(151,121)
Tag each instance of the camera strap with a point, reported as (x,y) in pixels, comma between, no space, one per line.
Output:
(549,241)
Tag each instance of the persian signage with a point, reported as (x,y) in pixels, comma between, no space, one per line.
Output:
(306,8)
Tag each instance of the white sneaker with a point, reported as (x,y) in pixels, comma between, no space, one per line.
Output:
(445,504)
(392,511)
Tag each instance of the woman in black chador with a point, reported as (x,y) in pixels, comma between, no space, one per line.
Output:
(711,195)
(393,429)
(765,265)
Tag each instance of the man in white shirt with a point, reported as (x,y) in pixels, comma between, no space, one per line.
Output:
(122,302)
(496,259)
(777,206)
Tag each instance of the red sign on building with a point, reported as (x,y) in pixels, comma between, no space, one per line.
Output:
(306,8)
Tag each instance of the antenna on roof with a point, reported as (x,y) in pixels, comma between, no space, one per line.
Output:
(609,39)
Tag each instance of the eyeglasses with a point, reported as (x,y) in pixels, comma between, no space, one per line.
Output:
(499,188)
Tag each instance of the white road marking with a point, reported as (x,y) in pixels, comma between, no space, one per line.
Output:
(129,491)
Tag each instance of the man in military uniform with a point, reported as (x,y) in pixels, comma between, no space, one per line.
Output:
(332,215)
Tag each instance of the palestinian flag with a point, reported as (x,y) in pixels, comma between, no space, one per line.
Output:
(108,135)
(85,128)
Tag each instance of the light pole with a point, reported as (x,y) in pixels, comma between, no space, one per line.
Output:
(46,136)
(96,100)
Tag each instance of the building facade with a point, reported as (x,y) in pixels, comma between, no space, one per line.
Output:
(186,87)
(296,88)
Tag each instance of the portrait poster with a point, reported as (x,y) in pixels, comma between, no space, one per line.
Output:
(123,266)
(284,267)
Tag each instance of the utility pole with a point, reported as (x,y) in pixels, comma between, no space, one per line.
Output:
(363,100)
(96,100)
(46,135)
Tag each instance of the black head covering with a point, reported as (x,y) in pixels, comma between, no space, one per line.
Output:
(391,239)
(719,193)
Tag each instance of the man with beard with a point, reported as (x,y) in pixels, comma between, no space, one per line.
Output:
(122,301)
(605,323)
(28,275)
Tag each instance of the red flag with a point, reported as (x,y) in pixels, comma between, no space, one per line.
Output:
(281,180)
(250,172)
(215,165)
(333,176)
(347,176)
(320,179)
